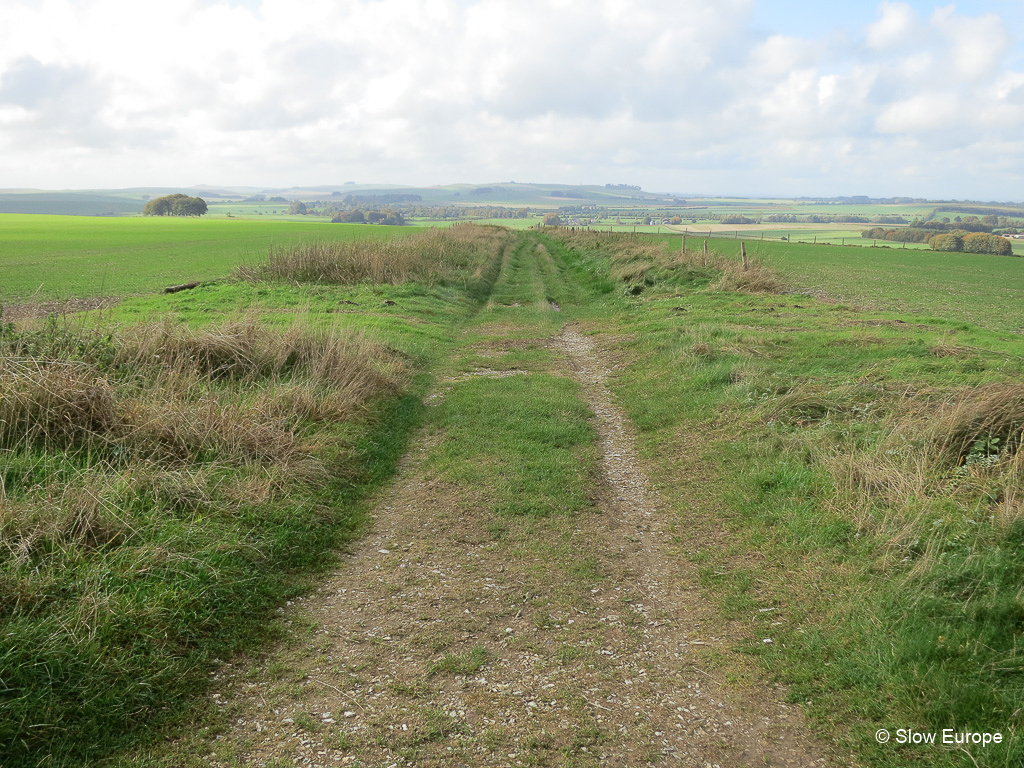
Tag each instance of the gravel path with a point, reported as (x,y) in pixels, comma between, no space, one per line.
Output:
(442,641)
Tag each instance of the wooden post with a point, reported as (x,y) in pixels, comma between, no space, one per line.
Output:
(684,243)
(743,252)
(705,253)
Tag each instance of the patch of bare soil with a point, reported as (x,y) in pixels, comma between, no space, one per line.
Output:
(452,637)
(14,313)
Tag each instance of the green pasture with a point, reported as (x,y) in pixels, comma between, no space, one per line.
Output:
(44,258)
(980,289)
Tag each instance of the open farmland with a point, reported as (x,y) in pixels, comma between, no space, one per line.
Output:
(598,502)
(45,258)
(985,290)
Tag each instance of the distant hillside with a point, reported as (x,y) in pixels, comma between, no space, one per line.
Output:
(500,193)
(114,202)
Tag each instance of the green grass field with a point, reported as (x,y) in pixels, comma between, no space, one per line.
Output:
(984,290)
(59,257)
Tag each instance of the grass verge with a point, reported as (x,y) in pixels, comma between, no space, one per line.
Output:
(165,485)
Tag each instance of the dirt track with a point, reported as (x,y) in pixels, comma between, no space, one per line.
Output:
(443,642)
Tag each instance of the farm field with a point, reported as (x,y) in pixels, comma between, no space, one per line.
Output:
(578,477)
(979,289)
(58,257)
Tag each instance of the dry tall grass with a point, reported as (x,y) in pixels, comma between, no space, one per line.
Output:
(172,396)
(151,480)
(936,448)
(428,256)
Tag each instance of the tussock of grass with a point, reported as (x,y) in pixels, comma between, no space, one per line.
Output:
(987,420)
(52,402)
(756,278)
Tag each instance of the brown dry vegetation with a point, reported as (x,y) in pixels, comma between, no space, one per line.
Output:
(143,484)
(428,256)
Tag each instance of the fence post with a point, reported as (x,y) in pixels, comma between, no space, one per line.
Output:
(743,251)
(705,253)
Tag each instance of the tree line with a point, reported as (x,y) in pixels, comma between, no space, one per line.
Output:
(956,240)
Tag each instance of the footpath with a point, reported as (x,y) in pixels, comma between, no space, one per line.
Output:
(519,599)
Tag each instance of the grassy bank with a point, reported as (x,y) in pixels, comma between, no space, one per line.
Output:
(166,484)
(867,467)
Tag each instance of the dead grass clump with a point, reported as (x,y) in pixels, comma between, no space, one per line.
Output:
(247,350)
(59,404)
(936,451)
(757,278)
(942,349)
(167,429)
(807,404)
(983,421)
(429,256)
(81,516)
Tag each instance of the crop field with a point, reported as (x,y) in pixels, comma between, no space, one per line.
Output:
(57,257)
(372,489)
(984,290)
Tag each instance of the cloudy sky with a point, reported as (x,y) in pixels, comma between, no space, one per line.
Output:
(744,97)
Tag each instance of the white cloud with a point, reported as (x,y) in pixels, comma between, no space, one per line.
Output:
(897,26)
(670,94)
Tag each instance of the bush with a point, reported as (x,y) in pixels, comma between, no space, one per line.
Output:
(950,242)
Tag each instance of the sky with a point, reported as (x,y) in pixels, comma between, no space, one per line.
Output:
(731,97)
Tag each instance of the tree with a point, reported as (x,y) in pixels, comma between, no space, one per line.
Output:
(175,205)
(349,217)
(298,207)
(552,220)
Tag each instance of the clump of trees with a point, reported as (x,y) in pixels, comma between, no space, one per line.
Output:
(957,240)
(972,242)
(356,216)
(899,235)
(175,205)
